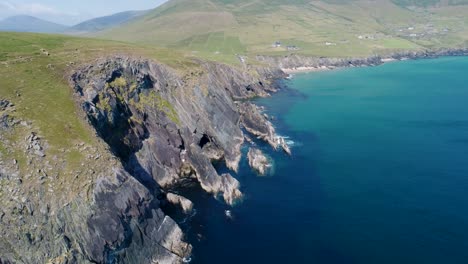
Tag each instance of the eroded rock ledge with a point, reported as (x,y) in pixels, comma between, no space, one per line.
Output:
(258,161)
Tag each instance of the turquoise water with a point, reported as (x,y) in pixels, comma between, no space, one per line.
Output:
(379,173)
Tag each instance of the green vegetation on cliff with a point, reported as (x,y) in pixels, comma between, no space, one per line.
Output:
(34,72)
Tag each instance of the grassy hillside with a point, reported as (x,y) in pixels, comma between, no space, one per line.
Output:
(217,28)
(34,70)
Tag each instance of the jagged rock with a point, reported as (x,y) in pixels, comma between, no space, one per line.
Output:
(200,120)
(213,152)
(183,202)
(255,123)
(4,104)
(258,161)
(231,186)
(33,144)
(282,143)
(5,122)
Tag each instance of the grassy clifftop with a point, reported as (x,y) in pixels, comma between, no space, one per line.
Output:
(34,69)
(216,28)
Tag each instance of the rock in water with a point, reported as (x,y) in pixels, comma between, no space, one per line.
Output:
(184,203)
(284,145)
(258,161)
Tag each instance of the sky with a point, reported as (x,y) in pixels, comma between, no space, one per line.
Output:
(70,12)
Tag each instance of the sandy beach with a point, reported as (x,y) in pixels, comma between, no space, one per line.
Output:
(306,69)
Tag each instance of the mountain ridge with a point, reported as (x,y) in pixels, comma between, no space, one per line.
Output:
(32,24)
(105,22)
(25,23)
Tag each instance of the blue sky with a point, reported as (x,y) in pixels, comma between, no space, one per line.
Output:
(70,12)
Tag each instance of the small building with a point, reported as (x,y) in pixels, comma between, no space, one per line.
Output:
(292,47)
(277,44)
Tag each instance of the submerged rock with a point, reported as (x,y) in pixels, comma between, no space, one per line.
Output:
(258,161)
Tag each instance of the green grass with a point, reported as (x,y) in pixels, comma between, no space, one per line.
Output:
(46,98)
(215,42)
(229,27)
(156,101)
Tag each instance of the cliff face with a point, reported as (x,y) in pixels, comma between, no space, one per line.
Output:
(166,128)
(100,214)
(159,128)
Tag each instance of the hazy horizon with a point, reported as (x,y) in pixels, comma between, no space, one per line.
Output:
(71,12)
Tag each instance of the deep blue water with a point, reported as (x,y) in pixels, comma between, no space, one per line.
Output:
(379,173)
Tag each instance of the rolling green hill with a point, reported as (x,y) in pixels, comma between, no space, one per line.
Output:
(213,28)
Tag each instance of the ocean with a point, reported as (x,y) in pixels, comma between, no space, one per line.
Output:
(379,173)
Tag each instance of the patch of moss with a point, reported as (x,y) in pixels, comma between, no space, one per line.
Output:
(133,87)
(156,101)
(104,103)
(118,83)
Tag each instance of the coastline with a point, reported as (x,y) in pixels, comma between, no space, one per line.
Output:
(296,63)
(323,68)
(306,69)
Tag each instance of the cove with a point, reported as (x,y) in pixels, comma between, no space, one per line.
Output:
(379,173)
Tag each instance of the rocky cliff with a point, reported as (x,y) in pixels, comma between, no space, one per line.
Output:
(167,128)
(158,128)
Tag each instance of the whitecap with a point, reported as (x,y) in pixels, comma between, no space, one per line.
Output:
(287,140)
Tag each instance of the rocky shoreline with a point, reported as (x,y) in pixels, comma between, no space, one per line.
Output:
(156,129)
(295,63)
(167,129)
